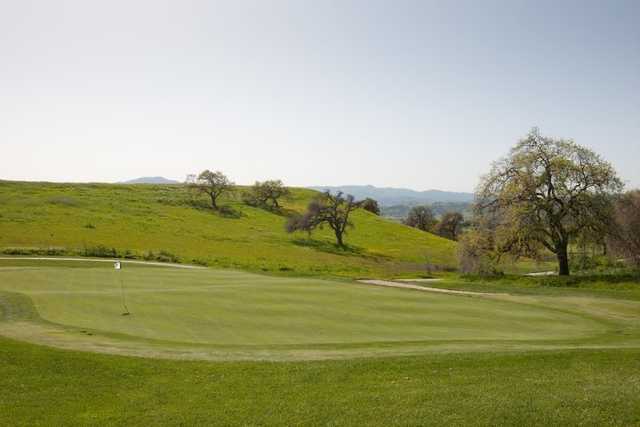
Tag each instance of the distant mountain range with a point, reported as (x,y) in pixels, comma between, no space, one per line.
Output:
(386,197)
(150,180)
(399,196)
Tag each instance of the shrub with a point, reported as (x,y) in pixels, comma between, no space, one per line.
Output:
(100,251)
(476,254)
(35,251)
(162,256)
(127,254)
(17,251)
(165,256)
(625,237)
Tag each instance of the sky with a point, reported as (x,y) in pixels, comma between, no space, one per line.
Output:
(415,94)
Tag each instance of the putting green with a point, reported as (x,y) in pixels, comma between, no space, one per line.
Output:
(196,313)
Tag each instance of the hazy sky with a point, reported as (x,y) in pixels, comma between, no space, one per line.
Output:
(390,93)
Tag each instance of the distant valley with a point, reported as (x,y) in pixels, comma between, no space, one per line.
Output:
(396,202)
(399,196)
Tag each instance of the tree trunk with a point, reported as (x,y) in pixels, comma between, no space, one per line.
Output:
(563,259)
(339,238)
(213,202)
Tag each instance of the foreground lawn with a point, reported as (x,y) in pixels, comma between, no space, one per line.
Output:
(287,351)
(44,386)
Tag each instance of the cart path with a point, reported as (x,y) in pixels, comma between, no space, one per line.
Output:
(406,285)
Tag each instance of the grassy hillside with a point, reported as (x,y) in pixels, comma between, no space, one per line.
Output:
(90,219)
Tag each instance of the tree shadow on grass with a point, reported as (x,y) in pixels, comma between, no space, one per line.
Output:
(280,211)
(222,211)
(332,248)
(228,212)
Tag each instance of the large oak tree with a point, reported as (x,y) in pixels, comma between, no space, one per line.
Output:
(544,194)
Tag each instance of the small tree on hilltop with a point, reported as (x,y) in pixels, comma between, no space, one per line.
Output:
(329,209)
(370,205)
(544,194)
(214,184)
(267,194)
(420,217)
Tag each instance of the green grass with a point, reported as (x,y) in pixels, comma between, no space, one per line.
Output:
(387,356)
(620,285)
(218,312)
(42,386)
(90,219)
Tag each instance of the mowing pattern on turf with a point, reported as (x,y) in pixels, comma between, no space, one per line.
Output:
(232,315)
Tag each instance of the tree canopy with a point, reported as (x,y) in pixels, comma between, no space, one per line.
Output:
(214,184)
(370,205)
(267,194)
(624,238)
(420,217)
(333,210)
(450,225)
(543,195)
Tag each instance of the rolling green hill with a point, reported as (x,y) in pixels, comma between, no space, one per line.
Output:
(162,222)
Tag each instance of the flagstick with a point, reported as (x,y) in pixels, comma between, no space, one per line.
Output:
(118,266)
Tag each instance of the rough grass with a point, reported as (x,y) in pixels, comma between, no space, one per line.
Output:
(139,221)
(42,386)
(621,284)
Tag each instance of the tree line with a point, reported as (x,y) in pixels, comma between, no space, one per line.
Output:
(544,197)
(267,194)
(326,209)
(450,225)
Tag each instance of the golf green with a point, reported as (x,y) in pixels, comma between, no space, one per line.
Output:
(191,310)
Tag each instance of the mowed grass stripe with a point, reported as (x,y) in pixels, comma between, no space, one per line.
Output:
(234,308)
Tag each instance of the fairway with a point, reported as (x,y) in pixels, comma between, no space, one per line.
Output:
(204,313)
